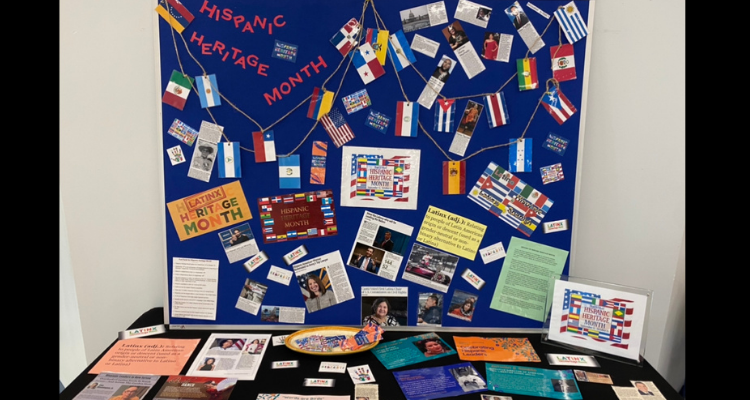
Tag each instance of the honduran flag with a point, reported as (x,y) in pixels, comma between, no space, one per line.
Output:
(320,104)
(345,38)
(527,77)
(177,90)
(378,39)
(563,62)
(445,115)
(519,156)
(407,117)
(400,51)
(558,105)
(265,147)
(367,64)
(175,14)
(289,174)
(571,22)
(228,157)
(454,177)
(208,91)
(497,110)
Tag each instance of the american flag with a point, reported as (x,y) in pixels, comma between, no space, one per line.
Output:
(337,128)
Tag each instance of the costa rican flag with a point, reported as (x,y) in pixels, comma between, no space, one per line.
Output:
(407,116)
(345,38)
(497,110)
(265,147)
(520,155)
(367,64)
(288,200)
(571,22)
(229,160)
(558,105)
(445,115)
(208,91)
(400,51)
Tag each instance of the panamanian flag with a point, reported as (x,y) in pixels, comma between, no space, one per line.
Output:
(229,160)
(345,38)
(400,51)
(497,109)
(445,115)
(407,117)
(555,102)
(519,156)
(367,63)
(208,90)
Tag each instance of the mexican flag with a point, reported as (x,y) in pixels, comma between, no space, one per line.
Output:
(177,90)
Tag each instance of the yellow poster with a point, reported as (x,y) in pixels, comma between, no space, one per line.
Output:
(495,349)
(450,232)
(210,210)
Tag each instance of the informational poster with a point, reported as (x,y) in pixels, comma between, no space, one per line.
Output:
(439,382)
(231,355)
(179,387)
(298,216)
(472,348)
(412,350)
(380,245)
(451,232)
(146,356)
(195,287)
(108,385)
(528,381)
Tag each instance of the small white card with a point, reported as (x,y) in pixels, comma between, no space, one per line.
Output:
(492,253)
(255,261)
(285,364)
(141,332)
(294,255)
(473,279)
(424,45)
(336,367)
(572,360)
(555,226)
(361,374)
(538,10)
(279,340)
(176,156)
(280,275)
(318,382)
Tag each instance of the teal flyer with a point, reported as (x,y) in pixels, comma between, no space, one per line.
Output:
(529,381)
(412,350)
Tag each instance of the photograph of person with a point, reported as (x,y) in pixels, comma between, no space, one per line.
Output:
(237,235)
(208,364)
(469,120)
(580,375)
(317,291)
(252,348)
(431,264)
(385,311)
(483,14)
(491,45)
(203,156)
(455,35)
(92,386)
(129,393)
(432,347)
(643,389)
(516,15)
(430,310)
(444,69)
(366,258)
(226,345)
(468,378)
(269,314)
(462,305)
(254,291)
(564,385)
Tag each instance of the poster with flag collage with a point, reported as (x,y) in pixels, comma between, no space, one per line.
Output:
(407,102)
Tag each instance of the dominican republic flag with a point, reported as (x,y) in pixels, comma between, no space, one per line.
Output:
(519,156)
(407,116)
(497,110)
(289,177)
(400,51)
(454,177)
(445,115)
(276,199)
(367,64)
(228,158)
(337,128)
(571,22)
(177,90)
(208,91)
(265,147)
(527,77)
(320,104)
(563,62)
(175,14)
(345,38)
(558,105)
(378,39)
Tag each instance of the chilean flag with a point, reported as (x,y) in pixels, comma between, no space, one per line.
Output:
(407,116)
(558,105)
(445,115)
(345,38)
(367,63)
(265,148)
(497,110)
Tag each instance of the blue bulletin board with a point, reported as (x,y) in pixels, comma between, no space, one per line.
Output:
(267,59)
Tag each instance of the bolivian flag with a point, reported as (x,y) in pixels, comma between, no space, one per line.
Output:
(378,39)
(454,177)
(527,78)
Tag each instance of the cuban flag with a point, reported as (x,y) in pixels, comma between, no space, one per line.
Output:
(265,147)
(407,116)
(378,38)
(345,38)
(208,90)
(519,156)
(289,177)
(571,22)
(400,51)
(445,115)
(497,110)
(175,14)
(558,105)
(367,64)
(229,160)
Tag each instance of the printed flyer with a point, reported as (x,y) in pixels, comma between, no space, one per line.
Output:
(529,381)
(495,349)
(180,387)
(297,216)
(323,281)
(451,232)
(231,355)
(438,382)
(380,245)
(209,211)
(106,385)
(412,350)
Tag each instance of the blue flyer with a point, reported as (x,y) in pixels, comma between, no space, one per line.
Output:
(412,350)
(556,143)
(439,382)
(284,51)
(529,381)
(378,121)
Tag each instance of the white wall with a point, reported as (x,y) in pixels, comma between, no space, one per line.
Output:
(629,227)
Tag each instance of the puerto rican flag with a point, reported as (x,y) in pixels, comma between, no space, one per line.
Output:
(407,116)
(265,147)
(367,63)
(345,38)
(558,105)
(445,115)
(497,110)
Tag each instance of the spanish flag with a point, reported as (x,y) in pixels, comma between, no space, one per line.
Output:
(527,78)
(454,177)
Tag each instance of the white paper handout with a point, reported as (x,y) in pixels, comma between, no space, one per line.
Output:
(108,385)
(195,283)
(473,13)
(424,45)
(380,245)
(236,355)
(325,282)
(521,22)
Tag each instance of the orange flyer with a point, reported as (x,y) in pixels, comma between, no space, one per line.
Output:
(147,356)
(495,349)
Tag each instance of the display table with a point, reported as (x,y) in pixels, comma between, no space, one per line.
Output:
(290,380)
